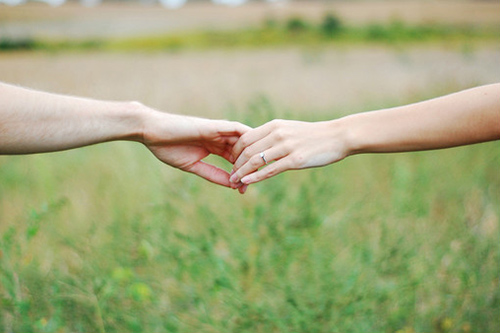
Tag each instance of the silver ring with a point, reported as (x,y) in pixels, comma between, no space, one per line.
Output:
(263,157)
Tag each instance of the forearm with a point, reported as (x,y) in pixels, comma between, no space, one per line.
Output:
(34,122)
(466,117)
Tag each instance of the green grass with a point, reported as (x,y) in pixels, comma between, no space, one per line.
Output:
(295,31)
(105,239)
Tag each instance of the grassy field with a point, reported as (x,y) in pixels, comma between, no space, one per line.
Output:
(293,31)
(105,239)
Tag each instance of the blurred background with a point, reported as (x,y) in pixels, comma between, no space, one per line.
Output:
(106,239)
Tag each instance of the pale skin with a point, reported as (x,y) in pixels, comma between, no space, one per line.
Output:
(38,122)
(466,117)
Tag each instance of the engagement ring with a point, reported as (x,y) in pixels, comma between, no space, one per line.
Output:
(263,157)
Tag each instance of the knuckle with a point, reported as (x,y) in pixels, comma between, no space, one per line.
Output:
(238,164)
(297,160)
(272,170)
(136,104)
(254,162)
(288,165)
(276,122)
(247,154)
(287,147)
(280,134)
(243,141)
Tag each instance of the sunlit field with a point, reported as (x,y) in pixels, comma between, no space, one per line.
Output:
(107,239)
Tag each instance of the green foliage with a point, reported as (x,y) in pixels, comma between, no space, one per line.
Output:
(296,25)
(294,31)
(8,44)
(106,239)
(331,25)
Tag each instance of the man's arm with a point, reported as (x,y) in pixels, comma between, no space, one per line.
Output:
(35,122)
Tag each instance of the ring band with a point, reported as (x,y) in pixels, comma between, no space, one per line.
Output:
(263,157)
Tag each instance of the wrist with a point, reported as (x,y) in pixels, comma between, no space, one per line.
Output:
(344,134)
(351,135)
(153,127)
(136,119)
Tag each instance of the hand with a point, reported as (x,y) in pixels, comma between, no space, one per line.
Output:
(290,145)
(182,142)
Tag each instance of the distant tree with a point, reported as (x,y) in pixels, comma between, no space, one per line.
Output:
(331,25)
(296,24)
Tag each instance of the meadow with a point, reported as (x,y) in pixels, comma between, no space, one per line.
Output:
(107,239)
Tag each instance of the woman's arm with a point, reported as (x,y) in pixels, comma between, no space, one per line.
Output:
(35,122)
(462,118)
(466,117)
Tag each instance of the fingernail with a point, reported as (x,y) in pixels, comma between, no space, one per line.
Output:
(246,180)
(243,189)
(233,179)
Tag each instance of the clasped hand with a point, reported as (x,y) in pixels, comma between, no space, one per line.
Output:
(256,154)
(282,145)
(37,122)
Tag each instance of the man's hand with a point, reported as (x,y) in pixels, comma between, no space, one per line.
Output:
(183,142)
(37,122)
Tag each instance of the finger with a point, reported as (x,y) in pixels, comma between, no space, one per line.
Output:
(232,128)
(226,154)
(250,138)
(267,172)
(219,145)
(228,149)
(210,173)
(255,162)
(230,140)
(224,151)
(236,186)
(255,149)
(243,189)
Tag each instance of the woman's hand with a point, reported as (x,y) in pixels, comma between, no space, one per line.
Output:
(466,117)
(289,145)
